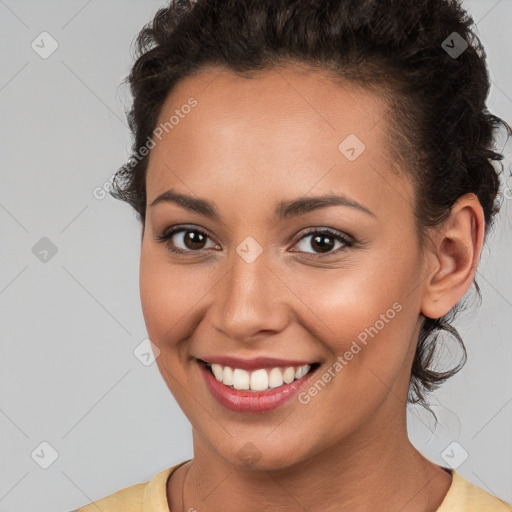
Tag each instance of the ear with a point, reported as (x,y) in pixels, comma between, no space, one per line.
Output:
(453,256)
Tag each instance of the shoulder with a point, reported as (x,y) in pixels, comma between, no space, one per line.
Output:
(463,496)
(142,497)
(129,499)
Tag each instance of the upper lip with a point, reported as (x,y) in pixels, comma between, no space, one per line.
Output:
(253,364)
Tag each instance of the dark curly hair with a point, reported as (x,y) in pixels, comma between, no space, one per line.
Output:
(442,132)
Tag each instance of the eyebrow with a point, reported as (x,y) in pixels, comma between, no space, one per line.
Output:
(283,210)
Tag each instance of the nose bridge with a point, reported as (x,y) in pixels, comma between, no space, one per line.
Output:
(247,301)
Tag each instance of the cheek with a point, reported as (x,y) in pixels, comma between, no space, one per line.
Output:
(168,301)
(367,313)
(366,321)
(169,295)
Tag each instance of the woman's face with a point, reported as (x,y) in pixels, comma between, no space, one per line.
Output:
(267,282)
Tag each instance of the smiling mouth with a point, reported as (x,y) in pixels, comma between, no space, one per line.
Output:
(260,379)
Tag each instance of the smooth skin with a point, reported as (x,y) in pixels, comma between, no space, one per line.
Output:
(249,144)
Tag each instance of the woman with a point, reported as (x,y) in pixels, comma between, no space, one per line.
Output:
(315,182)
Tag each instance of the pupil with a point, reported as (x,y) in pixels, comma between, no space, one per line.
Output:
(194,240)
(323,247)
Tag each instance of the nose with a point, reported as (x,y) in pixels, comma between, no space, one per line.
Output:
(250,301)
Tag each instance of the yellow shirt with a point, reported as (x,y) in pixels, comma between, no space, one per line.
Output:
(151,496)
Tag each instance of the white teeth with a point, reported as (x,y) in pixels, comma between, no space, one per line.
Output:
(289,375)
(227,376)
(301,371)
(240,379)
(217,371)
(275,379)
(258,380)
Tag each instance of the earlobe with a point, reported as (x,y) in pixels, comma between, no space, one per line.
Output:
(455,253)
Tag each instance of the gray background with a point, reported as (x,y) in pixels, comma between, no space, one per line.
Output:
(69,325)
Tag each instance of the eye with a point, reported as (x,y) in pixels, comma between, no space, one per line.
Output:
(324,241)
(184,239)
(189,239)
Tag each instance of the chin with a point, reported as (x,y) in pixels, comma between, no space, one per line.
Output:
(261,454)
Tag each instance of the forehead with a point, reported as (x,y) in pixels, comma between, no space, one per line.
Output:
(290,129)
(294,98)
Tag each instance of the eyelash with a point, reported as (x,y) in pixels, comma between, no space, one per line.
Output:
(347,242)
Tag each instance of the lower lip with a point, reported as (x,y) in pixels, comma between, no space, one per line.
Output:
(251,402)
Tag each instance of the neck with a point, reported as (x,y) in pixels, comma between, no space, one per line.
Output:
(363,472)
